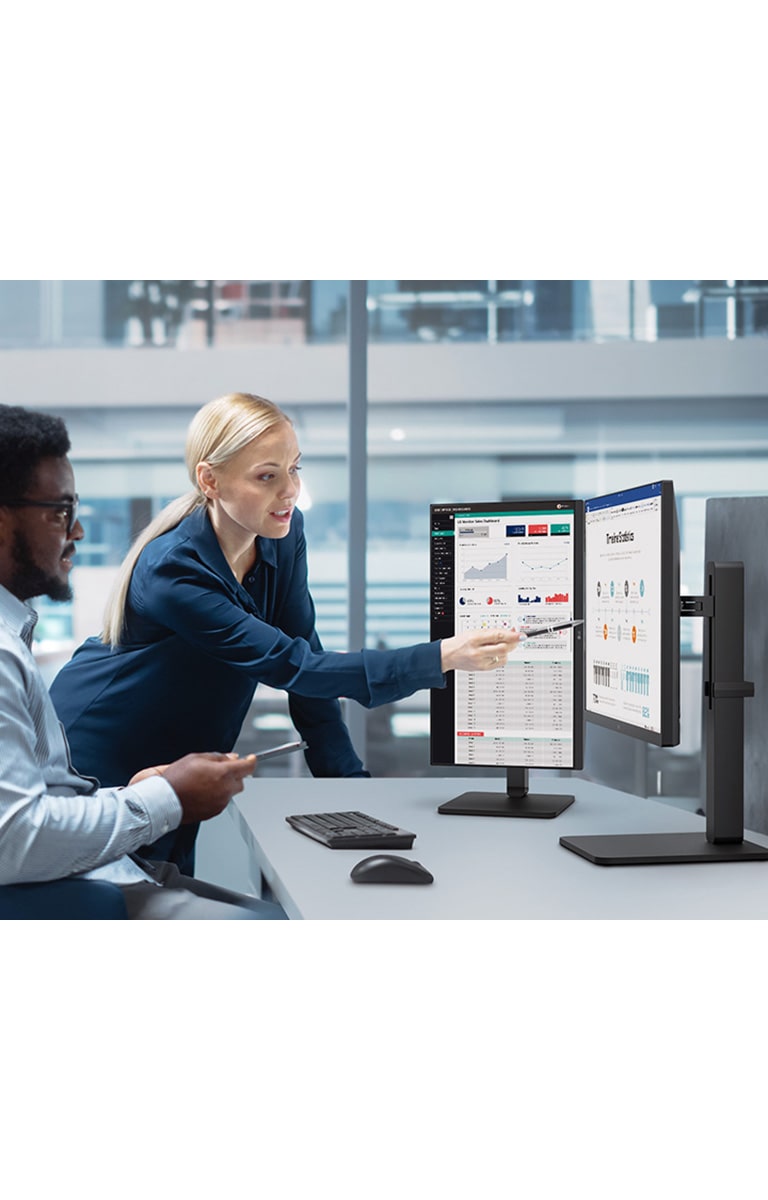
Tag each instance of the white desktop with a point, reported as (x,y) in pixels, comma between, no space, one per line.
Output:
(485,868)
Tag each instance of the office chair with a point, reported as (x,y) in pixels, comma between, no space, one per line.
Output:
(63,900)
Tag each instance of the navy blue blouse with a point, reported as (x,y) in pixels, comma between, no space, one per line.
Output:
(196,645)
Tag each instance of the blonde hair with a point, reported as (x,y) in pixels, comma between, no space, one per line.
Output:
(218,431)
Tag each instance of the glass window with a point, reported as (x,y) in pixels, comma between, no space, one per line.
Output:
(188,314)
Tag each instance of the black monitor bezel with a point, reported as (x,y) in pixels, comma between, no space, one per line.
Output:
(441,699)
(669,733)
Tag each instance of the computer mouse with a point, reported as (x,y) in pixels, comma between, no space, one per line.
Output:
(389,868)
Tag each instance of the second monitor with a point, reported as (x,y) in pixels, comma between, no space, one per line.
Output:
(510,565)
(632,640)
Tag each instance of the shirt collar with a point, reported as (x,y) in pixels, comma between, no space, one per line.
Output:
(202,534)
(267,548)
(19,616)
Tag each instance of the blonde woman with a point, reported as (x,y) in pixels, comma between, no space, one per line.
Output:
(211,600)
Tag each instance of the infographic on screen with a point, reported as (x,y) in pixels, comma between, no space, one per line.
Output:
(623,608)
(514,570)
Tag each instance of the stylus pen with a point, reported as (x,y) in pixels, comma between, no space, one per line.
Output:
(541,630)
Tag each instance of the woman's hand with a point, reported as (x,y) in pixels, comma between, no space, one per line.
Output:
(478,651)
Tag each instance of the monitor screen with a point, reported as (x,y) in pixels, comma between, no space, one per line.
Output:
(509,565)
(632,627)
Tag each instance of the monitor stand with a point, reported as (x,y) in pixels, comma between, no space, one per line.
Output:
(725,690)
(643,849)
(517,801)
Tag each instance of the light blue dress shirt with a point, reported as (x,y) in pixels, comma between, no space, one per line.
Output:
(55,822)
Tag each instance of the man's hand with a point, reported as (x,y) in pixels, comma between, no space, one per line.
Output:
(478,651)
(204,783)
(145,774)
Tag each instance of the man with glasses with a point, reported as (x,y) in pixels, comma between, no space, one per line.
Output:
(54,822)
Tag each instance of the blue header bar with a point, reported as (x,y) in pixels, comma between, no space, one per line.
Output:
(630,496)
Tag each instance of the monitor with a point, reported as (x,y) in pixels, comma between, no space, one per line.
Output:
(513,564)
(632,626)
(632,650)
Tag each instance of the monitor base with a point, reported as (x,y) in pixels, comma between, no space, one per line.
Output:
(500,804)
(638,849)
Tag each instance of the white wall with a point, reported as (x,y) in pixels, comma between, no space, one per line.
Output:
(567,371)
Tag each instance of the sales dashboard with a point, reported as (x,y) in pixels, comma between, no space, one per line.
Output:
(509,566)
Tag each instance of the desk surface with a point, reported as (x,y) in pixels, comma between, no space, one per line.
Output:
(486,867)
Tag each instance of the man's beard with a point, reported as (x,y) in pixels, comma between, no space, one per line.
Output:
(29,580)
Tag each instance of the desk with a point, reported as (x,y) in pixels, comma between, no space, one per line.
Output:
(485,867)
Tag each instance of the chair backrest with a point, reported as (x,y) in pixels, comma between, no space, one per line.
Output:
(63,900)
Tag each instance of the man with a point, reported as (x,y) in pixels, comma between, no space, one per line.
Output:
(55,823)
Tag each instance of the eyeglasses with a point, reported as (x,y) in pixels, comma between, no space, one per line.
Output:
(65,510)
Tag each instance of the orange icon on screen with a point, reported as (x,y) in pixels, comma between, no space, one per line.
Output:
(605,633)
(634,633)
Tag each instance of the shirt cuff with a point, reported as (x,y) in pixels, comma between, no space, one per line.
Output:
(429,659)
(160,803)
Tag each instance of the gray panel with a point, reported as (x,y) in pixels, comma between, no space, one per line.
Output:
(737,531)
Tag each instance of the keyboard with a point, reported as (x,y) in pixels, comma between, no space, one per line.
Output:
(351,831)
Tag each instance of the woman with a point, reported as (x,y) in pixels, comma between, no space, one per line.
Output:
(211,600)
